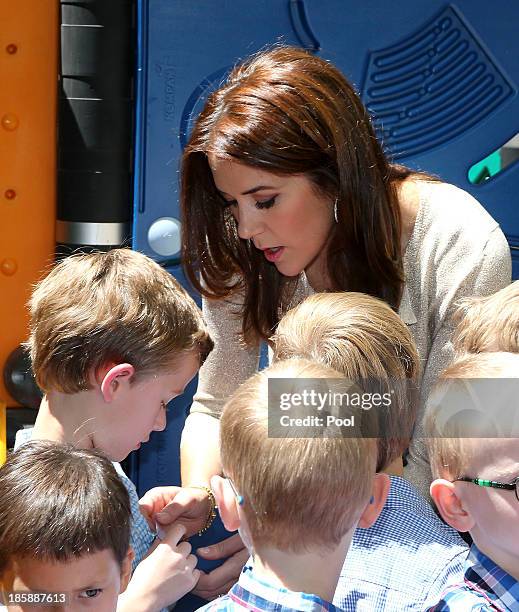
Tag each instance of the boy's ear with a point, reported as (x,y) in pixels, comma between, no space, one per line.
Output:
(226,501)
(6,583)
(126,569)
(450,505)
(379,493)
(113,377)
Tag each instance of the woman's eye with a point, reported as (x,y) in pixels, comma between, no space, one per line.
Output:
(262,204)
(90,593)
(266,203)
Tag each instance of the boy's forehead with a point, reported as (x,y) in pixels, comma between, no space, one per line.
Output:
(181,371)
(89,570)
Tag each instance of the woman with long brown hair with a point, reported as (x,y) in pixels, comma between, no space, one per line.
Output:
(286,192)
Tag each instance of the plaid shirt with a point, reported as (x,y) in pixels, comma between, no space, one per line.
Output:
(485,587)
(251,593)
(141,537)
(404,561)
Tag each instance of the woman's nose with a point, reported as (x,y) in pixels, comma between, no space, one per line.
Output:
(249,223)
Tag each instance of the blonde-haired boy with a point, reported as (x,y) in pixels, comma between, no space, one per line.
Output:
(296,501)
(113,338)
(488,323)
(477,475)
(408,555)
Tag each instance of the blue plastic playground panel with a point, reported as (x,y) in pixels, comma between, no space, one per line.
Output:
(440,79)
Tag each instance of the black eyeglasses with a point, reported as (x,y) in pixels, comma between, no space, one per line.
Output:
(507,486)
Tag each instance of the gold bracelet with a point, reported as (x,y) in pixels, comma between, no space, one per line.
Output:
(212,510)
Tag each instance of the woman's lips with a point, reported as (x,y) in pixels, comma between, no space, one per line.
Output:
(274,254)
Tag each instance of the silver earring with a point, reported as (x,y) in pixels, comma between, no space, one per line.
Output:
(335,211)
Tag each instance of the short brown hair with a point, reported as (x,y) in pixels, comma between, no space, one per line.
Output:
(289,112)
(58,502)
(361,337)
(449,442)
(118,306)
(299,492)
(488,323)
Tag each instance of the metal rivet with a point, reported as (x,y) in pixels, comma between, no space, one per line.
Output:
(10,122)
(8,267)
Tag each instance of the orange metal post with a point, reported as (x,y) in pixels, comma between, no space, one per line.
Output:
(28,84)
(3,434)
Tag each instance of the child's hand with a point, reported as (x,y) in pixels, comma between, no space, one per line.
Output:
(164,576)
(166,505)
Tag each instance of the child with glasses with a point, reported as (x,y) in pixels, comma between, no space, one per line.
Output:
(473,425)
(295,500)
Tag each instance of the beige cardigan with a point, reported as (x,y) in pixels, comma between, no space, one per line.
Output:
(456,250)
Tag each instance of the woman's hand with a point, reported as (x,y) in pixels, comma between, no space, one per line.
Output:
(163,577)
(189,506)
(221,579)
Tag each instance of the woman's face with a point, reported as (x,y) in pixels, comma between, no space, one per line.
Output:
(283,216)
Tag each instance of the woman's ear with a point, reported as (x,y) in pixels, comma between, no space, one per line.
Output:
(379,493)
(227,503)
(113,378)
(450,505)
